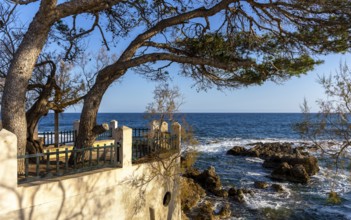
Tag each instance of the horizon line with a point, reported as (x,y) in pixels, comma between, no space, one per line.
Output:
(194,112)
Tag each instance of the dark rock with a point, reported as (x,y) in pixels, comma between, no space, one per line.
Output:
(261,185)
(296,173)
(275,154)
(192,172)
(225,211)
(269,149)
(310,163)
(204,212)
(232,191)
(236,194)
(299,174)
(220,192)
(237,151)
(191,193)
(247,191)
(272,162)
(253,153)
(209,180)
(277,187)
(263,150)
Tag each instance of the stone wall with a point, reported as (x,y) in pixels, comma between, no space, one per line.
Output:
(131,192)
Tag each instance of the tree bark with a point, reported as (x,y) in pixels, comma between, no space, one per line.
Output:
(13,102)
(88,128)
(92,100)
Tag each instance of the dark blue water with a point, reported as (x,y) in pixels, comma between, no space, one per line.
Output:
(211,125)
(217,133)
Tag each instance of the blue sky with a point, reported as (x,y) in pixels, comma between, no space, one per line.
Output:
(133,92)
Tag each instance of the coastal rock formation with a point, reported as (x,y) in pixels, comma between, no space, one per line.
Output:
(262,150)
(294,173)
(205,211)
(225,211)
(209,180)
(277,187)
(261,185)
(236,194)
(266,150)
(194,205)
(237,151)
(191,193)
(310,163)
(192,173)
(289,163)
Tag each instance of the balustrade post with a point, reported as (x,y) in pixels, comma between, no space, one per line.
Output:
(164,127)
(124,138)
(154,126)
(113,127)
(177,131)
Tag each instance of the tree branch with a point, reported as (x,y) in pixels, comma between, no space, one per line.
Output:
(200,12)
(180,59)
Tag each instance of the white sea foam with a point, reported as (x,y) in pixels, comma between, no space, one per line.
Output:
(254,159)
(224,144)
(340,182)
(255,174)
(257,202)
(293,194)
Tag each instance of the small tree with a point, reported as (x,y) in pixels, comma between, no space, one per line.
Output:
(165,104)
(332,122)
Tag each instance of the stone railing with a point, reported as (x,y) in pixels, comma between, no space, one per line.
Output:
(96,194)
(119,150)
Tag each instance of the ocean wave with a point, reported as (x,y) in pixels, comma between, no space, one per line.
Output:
(259,202)
(217,145)
(255,174)
(327,180)
(254,159)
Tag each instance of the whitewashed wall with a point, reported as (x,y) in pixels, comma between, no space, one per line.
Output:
(131,192)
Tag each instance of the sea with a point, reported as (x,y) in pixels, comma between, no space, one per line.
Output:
(219,132)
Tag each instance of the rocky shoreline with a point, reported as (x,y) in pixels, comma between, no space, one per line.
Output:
(288,163)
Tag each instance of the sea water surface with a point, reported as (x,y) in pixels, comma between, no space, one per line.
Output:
(218,132)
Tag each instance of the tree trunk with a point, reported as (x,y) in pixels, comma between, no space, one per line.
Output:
(33,115)
(22,65)
(86,134)
(37,111)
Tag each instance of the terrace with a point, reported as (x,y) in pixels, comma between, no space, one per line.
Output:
(112,148)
